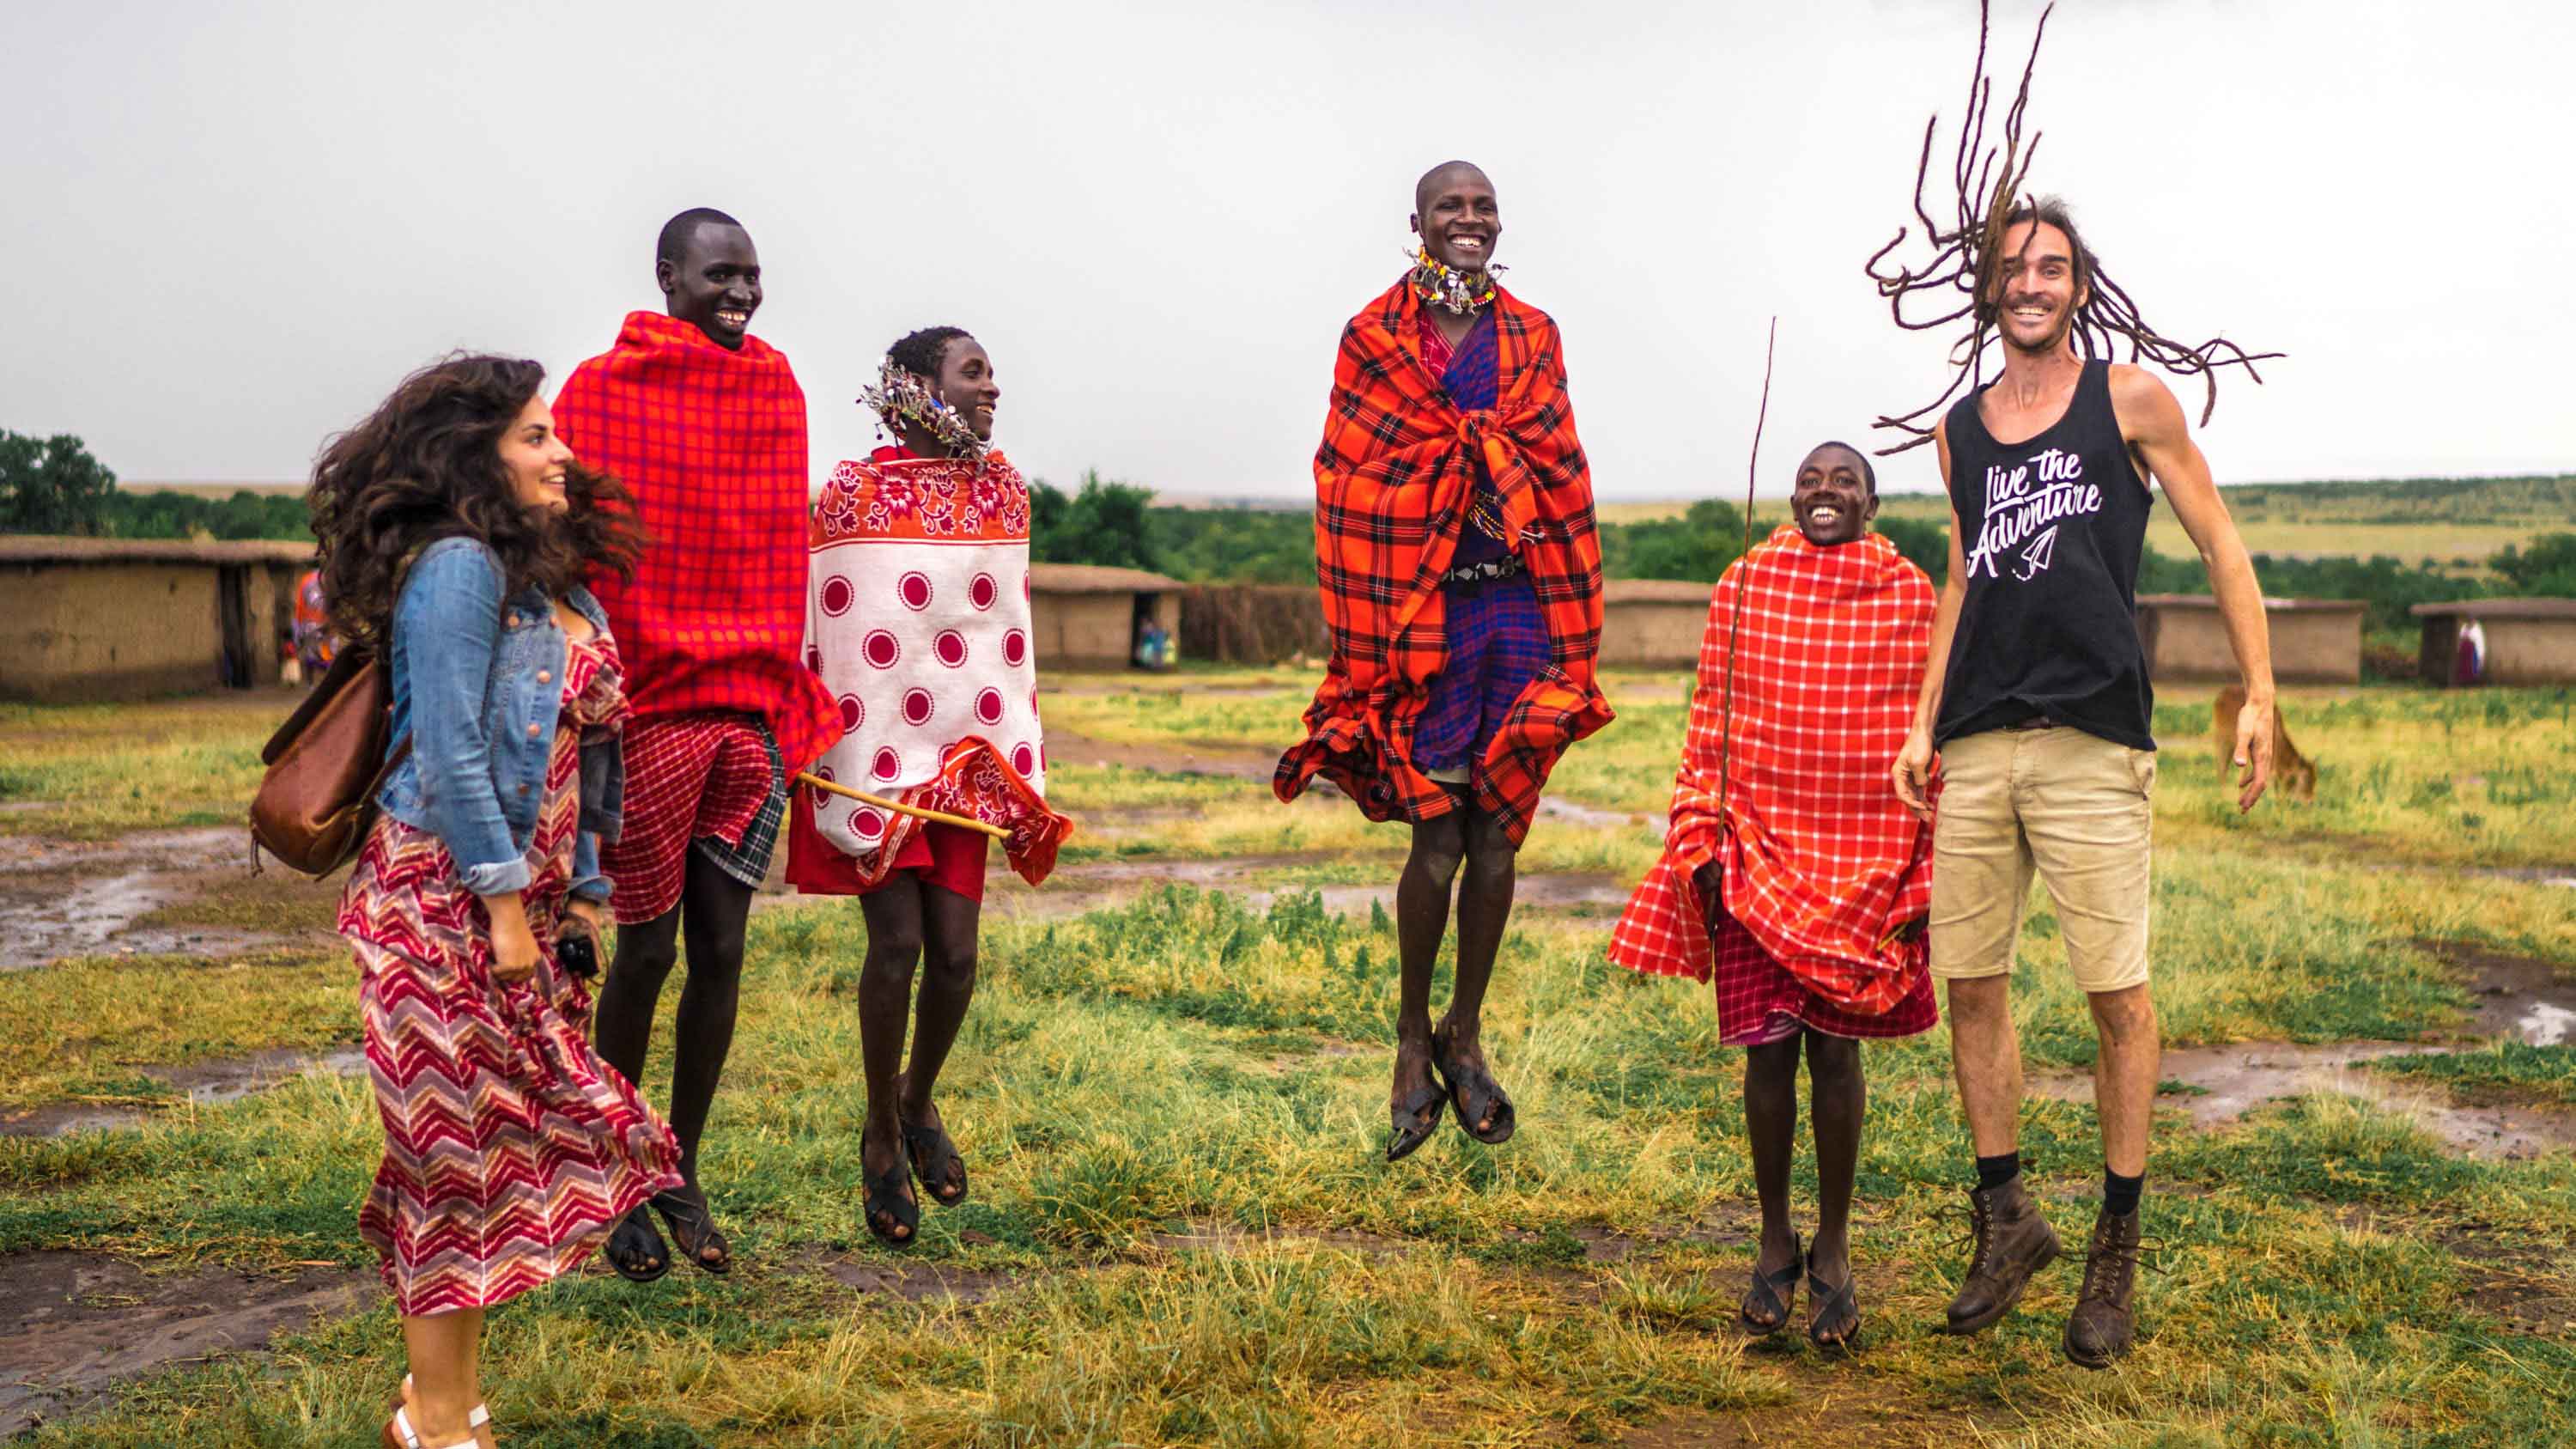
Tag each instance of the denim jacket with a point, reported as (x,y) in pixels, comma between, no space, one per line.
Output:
(478,688)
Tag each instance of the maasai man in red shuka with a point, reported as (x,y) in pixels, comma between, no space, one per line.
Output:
(1792,878)
(920,624)
(1462,585)
(706,426)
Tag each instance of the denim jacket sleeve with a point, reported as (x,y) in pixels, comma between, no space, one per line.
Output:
(587,883)
(448,626)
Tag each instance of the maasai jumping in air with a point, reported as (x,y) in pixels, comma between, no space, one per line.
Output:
(705,424)
(1791,879)
(919,622)
(1461,582)
(2037,698)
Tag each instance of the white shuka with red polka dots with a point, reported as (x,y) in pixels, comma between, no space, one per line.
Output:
(918,622)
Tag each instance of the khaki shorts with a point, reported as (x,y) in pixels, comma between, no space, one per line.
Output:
(2073,806)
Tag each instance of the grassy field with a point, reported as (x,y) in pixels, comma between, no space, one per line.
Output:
(1181,1231)
(2451,522)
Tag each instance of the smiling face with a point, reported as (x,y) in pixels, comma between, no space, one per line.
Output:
(2035,289)
(966,383)
(536,459)
(1457,217)
(714,284)
(1833,501)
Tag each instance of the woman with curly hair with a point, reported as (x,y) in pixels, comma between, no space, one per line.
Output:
(455,530)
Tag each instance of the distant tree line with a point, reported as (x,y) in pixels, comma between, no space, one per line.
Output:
(53,485)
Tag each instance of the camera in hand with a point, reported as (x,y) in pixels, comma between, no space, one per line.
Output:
(577,950)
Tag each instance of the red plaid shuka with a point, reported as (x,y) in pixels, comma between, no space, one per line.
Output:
(1822,865)
(712,444)
(1393,482)
(688,777)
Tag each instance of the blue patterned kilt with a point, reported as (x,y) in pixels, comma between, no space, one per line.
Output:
(1497,645)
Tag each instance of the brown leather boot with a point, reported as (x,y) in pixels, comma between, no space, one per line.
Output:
(2012,1242)
(2104,1322)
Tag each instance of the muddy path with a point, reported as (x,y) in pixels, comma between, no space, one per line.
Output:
(74,1325)
(2514,998)
(183,892)
(198,1084)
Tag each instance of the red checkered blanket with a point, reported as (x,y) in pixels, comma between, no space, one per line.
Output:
(1821,863)
(712,444)
(1393,481)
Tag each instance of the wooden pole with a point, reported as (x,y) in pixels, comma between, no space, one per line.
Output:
(941,817)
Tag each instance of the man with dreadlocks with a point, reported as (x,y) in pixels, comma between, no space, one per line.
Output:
(706,424)
(2037,702)
(1461,580)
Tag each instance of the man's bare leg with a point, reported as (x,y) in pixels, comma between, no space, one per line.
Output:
(1841,1103)
(1985,1056)
(1771,1129)
(2125,1073)
(1421,919)
(2013,1239)
(1484,909)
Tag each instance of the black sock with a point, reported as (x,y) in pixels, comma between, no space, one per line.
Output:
(2120,1194)
(1994,1172)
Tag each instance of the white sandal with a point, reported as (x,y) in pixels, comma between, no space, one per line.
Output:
(401,1435)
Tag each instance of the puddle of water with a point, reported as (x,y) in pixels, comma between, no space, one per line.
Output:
(2235,1079)
(205,1084)
(63,898)
(72,1325)
(2520,997)
(1573,813)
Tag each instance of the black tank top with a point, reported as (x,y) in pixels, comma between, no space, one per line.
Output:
(2052,529)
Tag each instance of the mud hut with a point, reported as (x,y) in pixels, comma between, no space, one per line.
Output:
(1652,623)
(2528,641)
(1089,616)
(89,619)
(2314,641)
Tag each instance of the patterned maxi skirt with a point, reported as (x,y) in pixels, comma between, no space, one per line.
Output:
(511,1149)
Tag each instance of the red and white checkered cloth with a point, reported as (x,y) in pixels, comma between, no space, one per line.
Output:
(712,444)
(1822,864)
(687,776)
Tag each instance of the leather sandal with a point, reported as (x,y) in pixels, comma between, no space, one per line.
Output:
(693,1230)
(934,1154)
(886,1196)
(1466,1086)
(1834,1308)
(636,1238)
(1412,1121)
(1772,1292)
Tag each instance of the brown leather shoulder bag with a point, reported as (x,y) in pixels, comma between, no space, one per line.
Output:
(325,765)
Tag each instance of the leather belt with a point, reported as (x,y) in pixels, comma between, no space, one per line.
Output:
(1484,571)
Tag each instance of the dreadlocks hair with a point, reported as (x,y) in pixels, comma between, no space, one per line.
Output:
(920,353)
(1991,197)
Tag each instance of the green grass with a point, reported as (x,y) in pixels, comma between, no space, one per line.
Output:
(2506,1070)
(78,1030)
(2328,1273)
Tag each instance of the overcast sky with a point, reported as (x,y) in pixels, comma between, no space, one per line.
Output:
(230,228)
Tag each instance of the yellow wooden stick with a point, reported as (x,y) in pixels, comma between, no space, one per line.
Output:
(832,787)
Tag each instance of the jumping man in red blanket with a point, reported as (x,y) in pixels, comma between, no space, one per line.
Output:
(1792,876)
(920,623)
(706,426)
(1462,584)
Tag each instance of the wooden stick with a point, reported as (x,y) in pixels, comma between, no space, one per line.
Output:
(1744,577)
(940,817)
